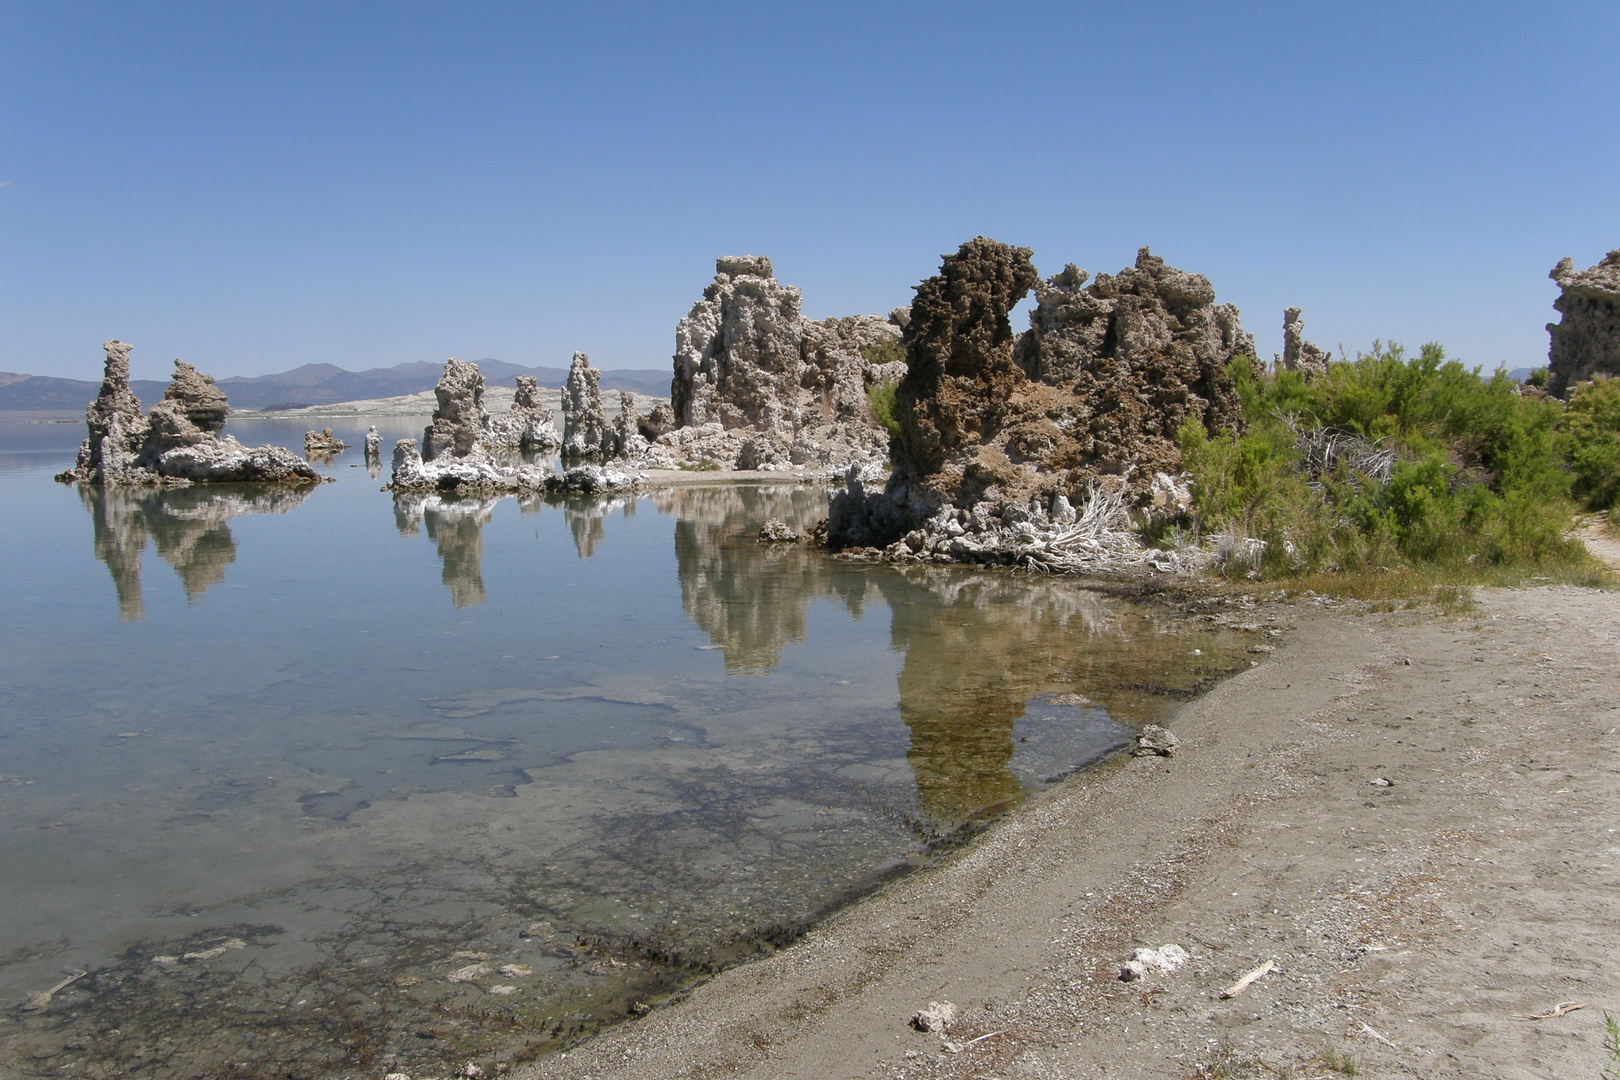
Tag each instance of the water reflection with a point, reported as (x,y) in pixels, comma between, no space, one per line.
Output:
(189,526)
(751,598)
(456,526)
(978,647)
(585,519)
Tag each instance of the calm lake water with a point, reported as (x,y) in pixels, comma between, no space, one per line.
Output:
(420,782)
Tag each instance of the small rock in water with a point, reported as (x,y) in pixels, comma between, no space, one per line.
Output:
(1078,701)
(166,961)
(937,1017)
(1156,740)
(503,991)
(217,951)
(464,954)
(468,973)
(516,971)
(776,531)
(396,1076)
(640,1008)
(537,929)
(1144,962)
(1262,649)
(129,734)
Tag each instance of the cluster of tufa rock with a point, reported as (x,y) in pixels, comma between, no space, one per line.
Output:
(323,443)
(1033,449)
(181,441)
(758,386)
(1586,340)
(458,448)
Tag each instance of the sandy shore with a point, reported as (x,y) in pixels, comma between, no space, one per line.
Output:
(1415,927)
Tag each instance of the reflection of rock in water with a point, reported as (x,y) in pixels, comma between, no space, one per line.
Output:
(978,647)
(750,598)
(187,525)
(584,519)
(457,527)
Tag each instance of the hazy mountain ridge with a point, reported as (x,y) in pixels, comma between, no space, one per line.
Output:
(310,384)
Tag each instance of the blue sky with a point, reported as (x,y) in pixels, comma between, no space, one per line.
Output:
(255,186)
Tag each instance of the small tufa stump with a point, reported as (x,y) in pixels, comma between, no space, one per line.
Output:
(776,531)
(1156,741)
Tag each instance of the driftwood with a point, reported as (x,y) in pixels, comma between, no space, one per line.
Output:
(38,1000)
(1323,449)
(1243,984)
(1100,538)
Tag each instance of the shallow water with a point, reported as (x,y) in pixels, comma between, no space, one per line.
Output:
(608,746)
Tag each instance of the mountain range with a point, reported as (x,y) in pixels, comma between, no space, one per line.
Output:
(311,384)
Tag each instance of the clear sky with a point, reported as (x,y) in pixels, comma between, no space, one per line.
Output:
(255,186)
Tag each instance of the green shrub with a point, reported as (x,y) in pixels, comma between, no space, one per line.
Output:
(880,398)
(1481,480)
(1592,442)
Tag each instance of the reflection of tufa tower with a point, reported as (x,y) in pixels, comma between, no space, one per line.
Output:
(188,526)
(978,647)
(749,598)
(456,526)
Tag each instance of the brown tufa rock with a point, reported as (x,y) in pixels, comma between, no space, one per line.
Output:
(586,432)
(1586,341)
(756,385)
(325,443)
(195,397)
(960,371)
(658,422)
(1298,354)
(737,358)
(460,420)
(1001,443)
(1141,352)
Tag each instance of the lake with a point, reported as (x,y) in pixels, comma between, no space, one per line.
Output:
(325,783)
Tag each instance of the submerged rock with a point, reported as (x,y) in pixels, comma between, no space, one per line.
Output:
(180,442)
(1586,340)
(777,531)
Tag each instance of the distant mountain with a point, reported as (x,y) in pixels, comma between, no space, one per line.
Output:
(41,393)
(311,384)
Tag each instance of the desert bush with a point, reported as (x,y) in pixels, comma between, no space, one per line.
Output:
(1480,475)
(880,398)
(1591,442)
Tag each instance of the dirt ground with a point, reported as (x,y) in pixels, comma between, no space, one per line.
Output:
(1412,816)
